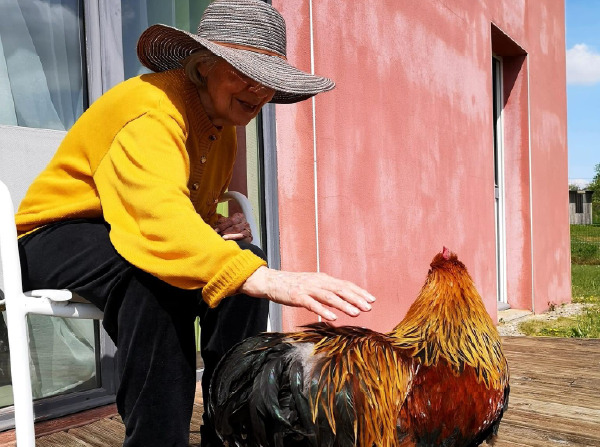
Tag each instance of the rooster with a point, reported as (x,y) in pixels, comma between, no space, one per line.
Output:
(439,378)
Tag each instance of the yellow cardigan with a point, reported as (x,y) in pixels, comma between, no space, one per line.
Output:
(146,158)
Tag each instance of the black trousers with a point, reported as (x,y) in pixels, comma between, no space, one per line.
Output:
(150,322)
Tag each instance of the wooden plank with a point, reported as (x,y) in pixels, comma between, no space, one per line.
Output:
(530,372)
(62,439)
(195,425)
(552,423)
(572,414)
(545,349)
(550,354)
(65,423)
(587,363)
(510,435)
(196,418)
(582,396)
(195,439)
(75,420)
(560,343)
(583,357)
(104,433)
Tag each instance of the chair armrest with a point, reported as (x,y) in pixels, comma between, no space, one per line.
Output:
(52,294)
(246,207)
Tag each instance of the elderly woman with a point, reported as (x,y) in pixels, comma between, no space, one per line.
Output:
(125,213)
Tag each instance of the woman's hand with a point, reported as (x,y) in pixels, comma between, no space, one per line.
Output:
(234,228)
(316,292)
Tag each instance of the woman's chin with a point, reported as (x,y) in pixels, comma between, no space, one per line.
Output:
(242,119)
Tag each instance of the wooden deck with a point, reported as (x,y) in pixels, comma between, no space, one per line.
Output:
(554,401)
(555,393)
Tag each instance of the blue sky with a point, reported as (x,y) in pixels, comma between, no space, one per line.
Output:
(583,88)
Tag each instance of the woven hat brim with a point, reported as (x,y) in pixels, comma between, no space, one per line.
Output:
(162,47)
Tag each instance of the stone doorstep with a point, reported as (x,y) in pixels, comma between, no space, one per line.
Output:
(512,315)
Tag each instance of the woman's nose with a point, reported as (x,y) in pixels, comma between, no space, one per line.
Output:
(262,91)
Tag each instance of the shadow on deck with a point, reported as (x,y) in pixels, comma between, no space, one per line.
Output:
(554,401)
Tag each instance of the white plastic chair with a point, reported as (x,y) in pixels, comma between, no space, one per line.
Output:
(18,304)
(58,303)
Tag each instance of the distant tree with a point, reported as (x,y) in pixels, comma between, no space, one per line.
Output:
(595,183)
(595,186)
(574,187)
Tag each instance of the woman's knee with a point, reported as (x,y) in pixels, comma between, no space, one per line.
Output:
(253,248)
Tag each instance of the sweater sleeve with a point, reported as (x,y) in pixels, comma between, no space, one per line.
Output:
(142,184)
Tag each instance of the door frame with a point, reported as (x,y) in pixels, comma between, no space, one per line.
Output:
(268,143)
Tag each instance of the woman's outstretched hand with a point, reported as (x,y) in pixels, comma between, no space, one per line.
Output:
(316,292)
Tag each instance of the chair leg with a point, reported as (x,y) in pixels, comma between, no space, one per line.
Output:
(21,377)
(4,353)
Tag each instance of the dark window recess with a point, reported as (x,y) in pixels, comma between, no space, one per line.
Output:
(579,203)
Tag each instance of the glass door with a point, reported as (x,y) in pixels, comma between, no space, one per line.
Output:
(137,15)
(56,57)
(498,104)
(43,90)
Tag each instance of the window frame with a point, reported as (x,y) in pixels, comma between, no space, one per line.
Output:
(104,69)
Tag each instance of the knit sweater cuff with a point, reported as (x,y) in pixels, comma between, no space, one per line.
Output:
(230,277)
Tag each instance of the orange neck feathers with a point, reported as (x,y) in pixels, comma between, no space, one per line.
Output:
(449,321)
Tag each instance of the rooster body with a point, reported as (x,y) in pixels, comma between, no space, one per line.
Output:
(438,379)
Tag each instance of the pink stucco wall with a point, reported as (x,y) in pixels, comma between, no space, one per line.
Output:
(404,155)
(548,103)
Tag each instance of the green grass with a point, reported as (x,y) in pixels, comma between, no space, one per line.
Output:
(585,289)
(586,231)
(585,280)
(585,244)
(585,325)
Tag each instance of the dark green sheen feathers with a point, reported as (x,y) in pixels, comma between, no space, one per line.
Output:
(307,388)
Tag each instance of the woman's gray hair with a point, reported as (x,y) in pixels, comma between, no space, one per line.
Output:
(190,64)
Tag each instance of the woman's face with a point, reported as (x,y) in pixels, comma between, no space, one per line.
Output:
(230,97)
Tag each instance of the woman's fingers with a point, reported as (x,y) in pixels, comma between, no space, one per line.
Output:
(233,236)
(237,228)
(319,309)
(317,292)
(353,294)
(231,224)
(245,236)
(339,294)
(234,228)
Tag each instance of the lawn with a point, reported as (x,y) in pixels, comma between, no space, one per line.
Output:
(585,244)
(585,281)
(585,287)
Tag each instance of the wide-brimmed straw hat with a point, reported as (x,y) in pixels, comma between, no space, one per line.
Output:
(249,34)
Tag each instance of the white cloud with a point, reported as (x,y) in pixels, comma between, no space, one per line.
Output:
(581,183)
(583,65)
